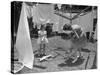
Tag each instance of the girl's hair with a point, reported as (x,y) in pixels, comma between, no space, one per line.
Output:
(42,27)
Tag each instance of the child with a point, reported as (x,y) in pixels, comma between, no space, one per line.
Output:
(42,40)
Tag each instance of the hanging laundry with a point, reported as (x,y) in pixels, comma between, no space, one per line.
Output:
(23,41)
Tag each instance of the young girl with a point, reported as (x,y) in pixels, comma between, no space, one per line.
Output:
(42,40)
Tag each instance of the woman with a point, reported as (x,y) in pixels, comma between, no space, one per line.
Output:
(78,41)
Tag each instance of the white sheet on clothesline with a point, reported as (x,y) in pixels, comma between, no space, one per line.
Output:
(23,41)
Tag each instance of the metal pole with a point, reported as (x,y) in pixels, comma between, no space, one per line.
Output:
(70,14)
